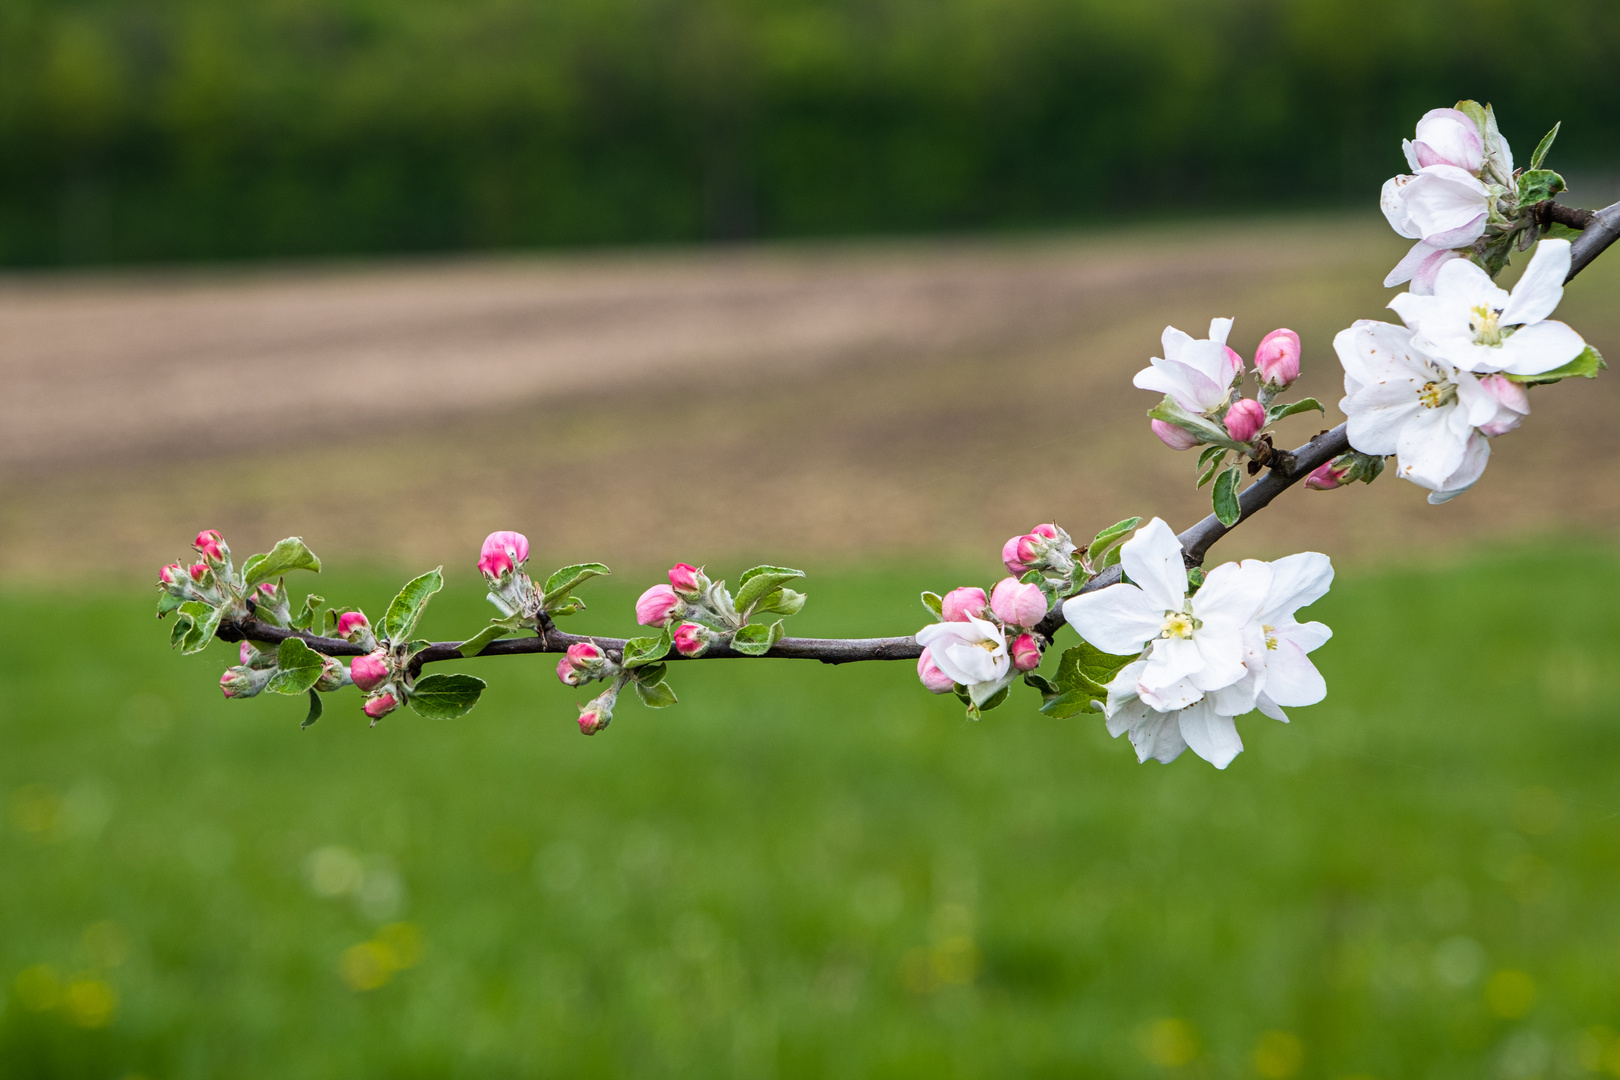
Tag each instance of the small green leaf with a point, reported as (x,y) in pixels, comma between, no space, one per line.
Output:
(645,650)
(481,640)
(934,603)
(1225,497)
(753,640)
(1277,412)
(996,699)
(563,581)
(1538,184)
(656,696)
(1086,667)
(315,709)
(445,697)
(777,632)
(305,620)
(406,610)
(1041,683)
(1070,703)
(167,602)
(289,554)
(1215,466)
(182,626)
(1112,535)
(1195,579)
(651,674)
(1544,145)
(755,583)
(781,602)
(204,621)
(298,667)
(1584,366)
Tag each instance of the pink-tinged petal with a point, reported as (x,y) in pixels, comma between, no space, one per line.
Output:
(1474,401)
(1291,678)
(1210,735)
(1447,205)
(1427,271)
(1214,361)
(1296,581)
(1449,137)
(1172,660)
(1231,595)
(1460,235)
(1174,437)
(1541,286)
(1540,347)
(1509,405)
(1153,559)
(1119,619)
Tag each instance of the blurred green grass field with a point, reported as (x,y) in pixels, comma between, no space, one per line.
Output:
(806,871)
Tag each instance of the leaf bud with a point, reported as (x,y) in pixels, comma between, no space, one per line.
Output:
(334,676)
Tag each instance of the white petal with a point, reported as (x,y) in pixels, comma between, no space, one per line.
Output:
(1172,660)
(1152,558)
(1308,636)
(1296,581)
(1219,329)
(1222,654)
(1237,699)
(1178,695)
(982,692)
(1158,736)
(1191,388)
(969,664)
(1392,200)
(1430,449)
(1270,708)
(1475,457)
(1231,596)
(1411,155)
(1291,678)
(1119,619)
(1420,265)
(1540,347)
(1542,285)
(1174,341)
(1210,359)
(1122,690)
(1467,283)
(1447,205)
(1210,735)
(1127,717)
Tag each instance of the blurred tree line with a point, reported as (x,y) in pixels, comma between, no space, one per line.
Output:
(177,129)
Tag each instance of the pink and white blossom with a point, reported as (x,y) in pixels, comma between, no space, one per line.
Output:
(1512,405)
(1446,137)
(1162,735)
(1443,208)
(972,652)
(1196,373)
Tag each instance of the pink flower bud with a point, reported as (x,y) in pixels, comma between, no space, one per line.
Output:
(1009,556)
(568,674)
(960,603)
(1245,419)
(687,580)
(1026,653)
(1173,437)
(1017,604)
(231,681)
(582,662)
(243,682)
(198,571)
(1326,476)
(1512,404)
(596,714)
(502,553)
(379,706)
(171,573)
(585,652)
(1277,359)
(369,671)
(267,588)
(208,545)
(1050,532)
(351,622)
(658,605)
(247,651)
(934,680)
(692,639)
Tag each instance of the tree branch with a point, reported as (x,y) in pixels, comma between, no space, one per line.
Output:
(1287,469)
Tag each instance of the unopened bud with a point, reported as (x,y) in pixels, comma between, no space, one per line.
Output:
(350,623)
(583,662)
(247,651)
(958,604)
(1512,405)
(379,705)
(243,682)
(1026,652)
(1277,359)
(1010,552)
(369,671)
(334,676)
(1327,476)
(1173,437)
(172,574)
(502,553)
(688,581)
(934,680)
(211,545)
(1245,419)
(658,605)
(692,639)
(198,571)
(1017,604)
(596,714)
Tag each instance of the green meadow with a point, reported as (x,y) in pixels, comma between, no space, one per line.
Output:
(806,871)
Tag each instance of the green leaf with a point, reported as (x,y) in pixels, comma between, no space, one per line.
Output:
(1277,412)
(1195,579)
(753,640)
(1086,667)
(1207,430)
(777,632)
(1070,703)
(1538,184)
(305,620)
(934,603)
(781,602)
(1584,366)
(645,650)
(1214,466)
(182,626)
(651,674)
(480,641)
(315,709)
(167,602)
(298,668)
(445,697)
(1225,497)
(1040,682)
(406,610)
(755,583)
(656,696)
(204,621)
(289,554)
(1544,145)
(563,581)
(1113,534)
(996,699)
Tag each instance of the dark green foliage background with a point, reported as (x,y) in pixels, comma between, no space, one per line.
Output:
(186,129)
(733,886)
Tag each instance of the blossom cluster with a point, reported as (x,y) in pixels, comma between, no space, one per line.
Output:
(982,642)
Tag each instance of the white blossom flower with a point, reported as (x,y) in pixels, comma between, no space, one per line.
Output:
(972,652)
(1162,735)
(1473,324)
(1197,642)
(1443,208)
(1196,372)
(1277,645)
(1446,137)
(1401,401)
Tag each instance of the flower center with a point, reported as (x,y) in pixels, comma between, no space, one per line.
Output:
(1485,322)
(1435,394)
(1271,635)
(1178,624)
(987,646)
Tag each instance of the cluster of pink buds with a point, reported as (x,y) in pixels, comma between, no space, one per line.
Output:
(1202,401)
(501,561)
(1045,548)
(204,580)
(1003,624)
(585,662)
